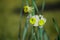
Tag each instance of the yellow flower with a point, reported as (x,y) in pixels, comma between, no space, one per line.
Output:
(32,20)
(41,22)
(26,9)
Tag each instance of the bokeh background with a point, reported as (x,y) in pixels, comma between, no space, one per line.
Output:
(10,18)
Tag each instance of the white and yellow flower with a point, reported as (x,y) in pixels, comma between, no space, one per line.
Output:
(28,9)
(32,20)
(42,21)
(37,20)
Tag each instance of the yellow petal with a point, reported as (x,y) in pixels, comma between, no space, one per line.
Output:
(41,22)
(26,9)
(32,20)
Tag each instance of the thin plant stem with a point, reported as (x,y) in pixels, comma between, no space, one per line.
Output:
(45,36)
(41,33)
(43,5)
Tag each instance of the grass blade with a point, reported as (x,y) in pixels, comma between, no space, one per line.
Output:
(57,28)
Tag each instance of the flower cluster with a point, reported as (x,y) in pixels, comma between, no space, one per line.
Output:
(37,20)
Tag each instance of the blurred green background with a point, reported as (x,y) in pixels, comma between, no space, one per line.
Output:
(9,19)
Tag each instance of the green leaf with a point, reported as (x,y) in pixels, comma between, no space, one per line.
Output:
(57,28)
(55,25)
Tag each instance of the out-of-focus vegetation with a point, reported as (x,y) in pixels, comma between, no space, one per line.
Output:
(9,20)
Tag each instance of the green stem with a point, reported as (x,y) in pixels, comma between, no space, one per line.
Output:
(27,2)
(43,5)
(26,25)
(41,33)
(45,36)
(25,29)
(33,34)
(35,6)
(38,33)
(20,20)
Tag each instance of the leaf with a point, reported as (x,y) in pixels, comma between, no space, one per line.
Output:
(57,28)
(55,25)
